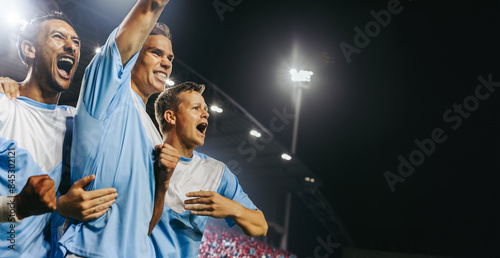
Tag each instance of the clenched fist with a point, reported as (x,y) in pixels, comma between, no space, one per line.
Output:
(167,158)
(37,197)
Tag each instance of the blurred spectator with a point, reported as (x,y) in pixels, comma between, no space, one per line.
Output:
(227,244)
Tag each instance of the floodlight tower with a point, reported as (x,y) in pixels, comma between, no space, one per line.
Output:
(300,78)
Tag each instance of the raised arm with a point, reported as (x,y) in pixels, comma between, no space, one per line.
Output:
(167,158)
(136,27)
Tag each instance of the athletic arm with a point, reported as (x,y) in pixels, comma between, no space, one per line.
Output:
(136,27)
(207,203)
(167,158)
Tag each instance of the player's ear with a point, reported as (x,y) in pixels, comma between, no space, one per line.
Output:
(169,116)
(28,49)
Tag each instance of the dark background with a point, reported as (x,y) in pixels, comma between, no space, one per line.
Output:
(357,117)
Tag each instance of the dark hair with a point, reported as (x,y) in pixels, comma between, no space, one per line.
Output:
(30,30)
(161,29)
(169,100)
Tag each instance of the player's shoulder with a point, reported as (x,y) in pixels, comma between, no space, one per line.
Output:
(67,110)
(208,159)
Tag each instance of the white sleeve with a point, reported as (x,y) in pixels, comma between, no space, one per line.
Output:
(5,209)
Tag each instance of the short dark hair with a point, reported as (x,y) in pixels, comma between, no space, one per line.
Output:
(30,30)
(161,29)
(169,100)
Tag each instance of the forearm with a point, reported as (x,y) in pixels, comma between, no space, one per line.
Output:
(159,202)
(136,27)
(251,222)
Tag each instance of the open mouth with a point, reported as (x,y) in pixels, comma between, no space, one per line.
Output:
(65,64)
(202,127)
(161,75)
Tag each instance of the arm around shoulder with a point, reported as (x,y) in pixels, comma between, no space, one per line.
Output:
(251,222)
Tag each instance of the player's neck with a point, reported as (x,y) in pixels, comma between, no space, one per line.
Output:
(37,91)
(143,95)
(183,150)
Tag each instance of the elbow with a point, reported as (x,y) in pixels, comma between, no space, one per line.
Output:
(263,226)
(264,229)
(158,4)
(261,231)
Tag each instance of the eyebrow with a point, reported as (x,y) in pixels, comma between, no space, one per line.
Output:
(65,34)
(199,104)
(153,48)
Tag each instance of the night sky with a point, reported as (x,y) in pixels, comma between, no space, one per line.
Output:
(412,79)
(357,118)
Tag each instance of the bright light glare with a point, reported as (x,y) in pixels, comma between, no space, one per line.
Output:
(301,76)
(170,82)
(216,109)
(97,50)
(255,133)
(309,179)
(286,156)
(15,19)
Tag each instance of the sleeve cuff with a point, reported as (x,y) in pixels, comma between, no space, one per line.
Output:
(7,211)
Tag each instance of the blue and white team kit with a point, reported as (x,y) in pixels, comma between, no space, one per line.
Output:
(178,233)
(114,139)
(31,143)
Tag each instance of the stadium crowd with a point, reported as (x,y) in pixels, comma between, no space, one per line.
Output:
(217,242)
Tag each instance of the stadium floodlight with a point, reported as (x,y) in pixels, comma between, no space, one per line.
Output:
(216,109)
(309,179)
(301,76)
(170,83)
(15,19)
(286,156)
(255,133)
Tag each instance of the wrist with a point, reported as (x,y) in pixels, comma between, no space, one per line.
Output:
(60,207)
(238,211)
(162,185)
(18,204)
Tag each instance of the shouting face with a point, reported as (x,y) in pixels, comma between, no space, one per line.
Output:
(191,119)
(55,55)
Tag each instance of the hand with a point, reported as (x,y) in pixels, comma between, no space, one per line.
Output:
(167,158)
(37,197)
(85,205)
(9,87)
(213,205)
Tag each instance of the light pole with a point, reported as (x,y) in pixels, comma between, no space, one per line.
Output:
(300,78)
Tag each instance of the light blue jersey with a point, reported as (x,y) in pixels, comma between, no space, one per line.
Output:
(113,138)
(178,234)
(31,144)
